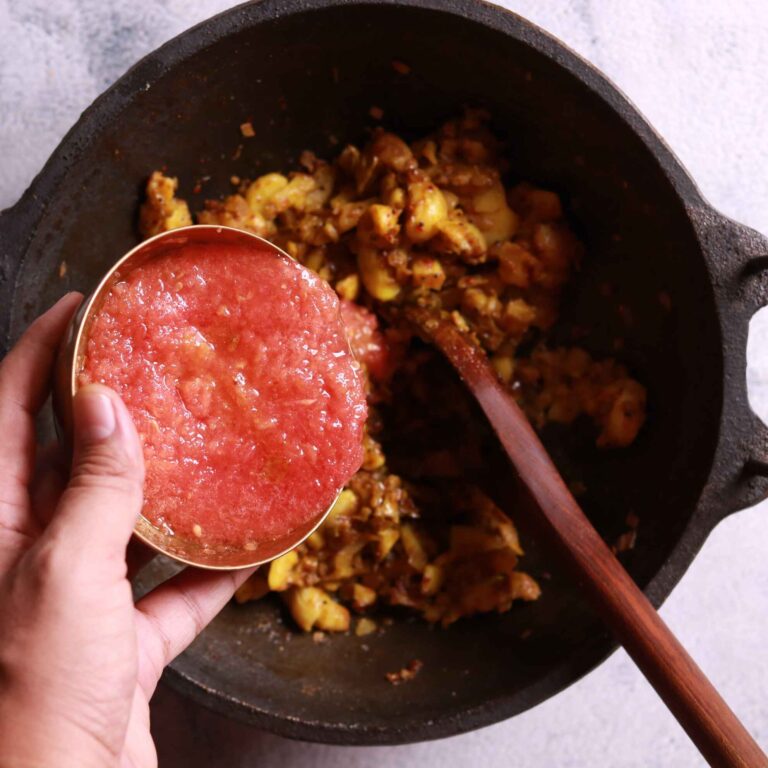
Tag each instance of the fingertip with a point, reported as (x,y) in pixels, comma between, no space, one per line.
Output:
(66,304)
(69,297)
(127,429)
(97,390)
(103,498)
(99,413)
(94,414)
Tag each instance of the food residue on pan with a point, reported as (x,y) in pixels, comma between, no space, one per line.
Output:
(627,540)
(406,673)
(365,626)
(400,67)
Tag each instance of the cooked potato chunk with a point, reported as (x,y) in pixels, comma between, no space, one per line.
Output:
(377,275)
(425,212)
(314,608)
(161,209)
(280,571)
(253,589)
(461,238)
(428,272)
(261,194)
(379,227)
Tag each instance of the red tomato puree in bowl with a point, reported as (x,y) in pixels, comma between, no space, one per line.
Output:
(368,343)
(235,367)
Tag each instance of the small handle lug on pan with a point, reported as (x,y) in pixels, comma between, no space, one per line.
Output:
(754,274)
(738,257)
(754,286)
(739,477)
(756,467)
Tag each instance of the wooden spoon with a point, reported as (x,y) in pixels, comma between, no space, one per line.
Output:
(691,698)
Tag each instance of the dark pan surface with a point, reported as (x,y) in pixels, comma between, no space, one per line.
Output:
(306,78)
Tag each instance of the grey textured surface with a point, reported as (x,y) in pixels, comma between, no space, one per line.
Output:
(696,68)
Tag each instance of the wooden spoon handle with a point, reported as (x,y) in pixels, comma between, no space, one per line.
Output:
(693,700)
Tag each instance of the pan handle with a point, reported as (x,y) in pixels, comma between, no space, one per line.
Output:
(17,224)
(738,257)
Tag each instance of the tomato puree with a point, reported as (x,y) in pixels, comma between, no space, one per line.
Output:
(234,365)
(368,343)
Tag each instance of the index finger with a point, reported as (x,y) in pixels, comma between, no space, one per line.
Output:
(170,617)
(25,375)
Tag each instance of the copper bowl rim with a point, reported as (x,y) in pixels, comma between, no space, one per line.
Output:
(65,387)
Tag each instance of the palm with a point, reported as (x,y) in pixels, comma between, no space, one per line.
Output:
(69,628)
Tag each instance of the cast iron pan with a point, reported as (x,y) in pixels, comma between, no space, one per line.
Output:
(306,73)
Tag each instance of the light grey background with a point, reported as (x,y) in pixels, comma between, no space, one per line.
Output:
(697,69)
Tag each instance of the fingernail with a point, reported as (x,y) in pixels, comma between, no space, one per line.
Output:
(94,416)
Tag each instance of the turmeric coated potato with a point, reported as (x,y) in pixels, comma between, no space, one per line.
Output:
(161,209)
(425,211)
(377,275)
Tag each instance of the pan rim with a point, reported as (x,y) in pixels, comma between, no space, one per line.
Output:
(150,69)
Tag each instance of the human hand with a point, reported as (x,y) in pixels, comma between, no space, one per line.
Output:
(79,660)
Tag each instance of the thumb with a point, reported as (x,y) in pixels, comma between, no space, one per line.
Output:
(99,508)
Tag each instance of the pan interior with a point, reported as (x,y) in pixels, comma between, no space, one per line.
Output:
(308,81)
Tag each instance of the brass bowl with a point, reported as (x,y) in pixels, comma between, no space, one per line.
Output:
(69,363)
